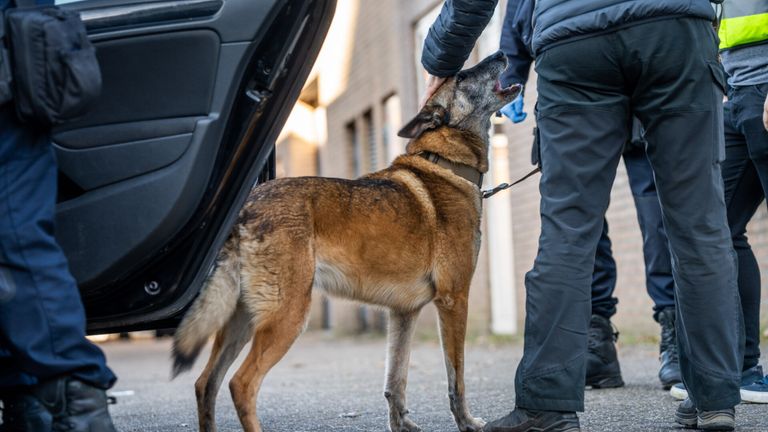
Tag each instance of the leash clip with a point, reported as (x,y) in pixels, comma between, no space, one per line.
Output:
(491,192)
(504,186)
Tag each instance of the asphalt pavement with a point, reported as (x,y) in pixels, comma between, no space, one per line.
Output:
(326,384)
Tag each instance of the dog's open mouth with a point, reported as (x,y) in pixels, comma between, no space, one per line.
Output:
(506,91)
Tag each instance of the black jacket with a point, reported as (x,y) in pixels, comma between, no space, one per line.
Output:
(453,35)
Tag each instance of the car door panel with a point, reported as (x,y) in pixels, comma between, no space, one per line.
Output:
(104,135)
(104,165)
(151,180)
(159,76)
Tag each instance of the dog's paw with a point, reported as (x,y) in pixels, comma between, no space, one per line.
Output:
(472,425)
(404,425)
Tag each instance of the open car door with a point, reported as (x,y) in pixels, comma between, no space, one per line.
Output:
(194,95)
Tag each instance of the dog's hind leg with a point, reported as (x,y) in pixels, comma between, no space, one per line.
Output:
(229,341)
(272,340)
(452,313)
(401,325)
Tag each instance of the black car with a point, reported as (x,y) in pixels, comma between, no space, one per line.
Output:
(194,95)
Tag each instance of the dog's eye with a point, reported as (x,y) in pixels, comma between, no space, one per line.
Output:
(460,77)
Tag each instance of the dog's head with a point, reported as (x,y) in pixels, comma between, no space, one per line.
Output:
(465,101)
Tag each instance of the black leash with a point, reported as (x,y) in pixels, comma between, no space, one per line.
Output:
(504,186)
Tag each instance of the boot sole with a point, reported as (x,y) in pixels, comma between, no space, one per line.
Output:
(688,421)
(605,382)
(754,397)
(556,428)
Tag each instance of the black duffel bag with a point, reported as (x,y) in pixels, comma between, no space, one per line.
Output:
(54,71)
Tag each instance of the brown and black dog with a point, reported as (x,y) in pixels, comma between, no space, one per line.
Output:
(398,238)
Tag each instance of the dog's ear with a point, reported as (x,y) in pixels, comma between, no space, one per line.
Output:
(430,117)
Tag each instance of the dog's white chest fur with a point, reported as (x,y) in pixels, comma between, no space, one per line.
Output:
(405,296)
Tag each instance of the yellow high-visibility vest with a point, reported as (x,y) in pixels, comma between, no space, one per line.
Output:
(744,22)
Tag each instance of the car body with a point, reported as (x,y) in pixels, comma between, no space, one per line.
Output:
(151,180)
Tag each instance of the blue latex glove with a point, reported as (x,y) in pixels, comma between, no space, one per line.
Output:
(514,110)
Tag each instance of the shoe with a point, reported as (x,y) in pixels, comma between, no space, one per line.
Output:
(603,369)
(719,420)
(754,387)
(523,420)
(66,404)
(669,372)
(22,412)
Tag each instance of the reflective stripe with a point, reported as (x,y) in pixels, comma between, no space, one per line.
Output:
(743,30)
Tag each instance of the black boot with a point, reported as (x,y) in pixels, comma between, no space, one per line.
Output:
(603,369)
(22,412)
(669,373)
(67,404)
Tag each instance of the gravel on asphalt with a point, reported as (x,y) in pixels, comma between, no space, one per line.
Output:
(331,384)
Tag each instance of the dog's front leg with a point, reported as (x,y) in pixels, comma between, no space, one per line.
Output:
(399,352)
(452,312)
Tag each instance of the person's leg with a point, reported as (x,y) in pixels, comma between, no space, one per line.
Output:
(658,262)
(42,323)
(603,369)
(743,195)
(581,140)
(604,277)
(746,103)
(749,121)
(680,103)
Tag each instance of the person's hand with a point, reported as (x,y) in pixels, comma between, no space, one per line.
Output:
(433,83)
(514,110)
(765,114)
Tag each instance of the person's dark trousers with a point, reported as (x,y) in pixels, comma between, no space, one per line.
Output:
(666,73)
(745,172)
(658,262)
(604,277)
(42,321)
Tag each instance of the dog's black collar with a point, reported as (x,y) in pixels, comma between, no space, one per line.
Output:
(471,174)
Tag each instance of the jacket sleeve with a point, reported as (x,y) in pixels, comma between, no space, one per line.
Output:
(453,35)
(515,41)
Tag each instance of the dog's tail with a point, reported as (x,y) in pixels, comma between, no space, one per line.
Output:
(211,310)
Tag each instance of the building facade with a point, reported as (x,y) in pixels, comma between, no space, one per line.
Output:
(364,86)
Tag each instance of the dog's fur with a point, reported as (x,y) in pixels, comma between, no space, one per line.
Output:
(398,238)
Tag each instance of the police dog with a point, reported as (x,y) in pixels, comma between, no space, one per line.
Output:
(397,238)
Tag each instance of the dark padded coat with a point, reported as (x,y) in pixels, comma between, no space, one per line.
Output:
(452,36)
